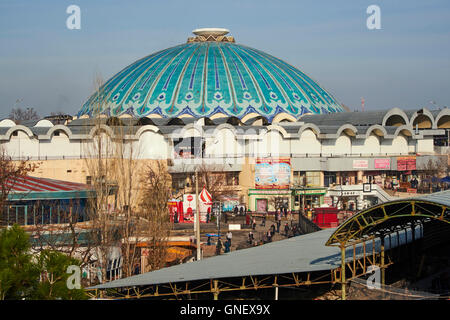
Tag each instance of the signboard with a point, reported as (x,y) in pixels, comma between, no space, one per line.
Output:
(189,206)
(272,173)
(176,211)
(360,164)
(328,201)
(406,163)
(382,163)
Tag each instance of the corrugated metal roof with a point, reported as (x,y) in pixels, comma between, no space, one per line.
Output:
(305,253)
(297,254)
(442,197)
(32,188)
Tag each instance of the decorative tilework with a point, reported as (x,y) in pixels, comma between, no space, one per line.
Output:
(204,78)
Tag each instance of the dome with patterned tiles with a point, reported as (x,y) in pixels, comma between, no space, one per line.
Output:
(207,76)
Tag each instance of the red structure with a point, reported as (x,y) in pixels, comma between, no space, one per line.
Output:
(326,217)
(176,211)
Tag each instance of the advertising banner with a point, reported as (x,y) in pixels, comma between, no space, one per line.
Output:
(382,164)
(406,163)
(189,206)
(360,164)
(272,173)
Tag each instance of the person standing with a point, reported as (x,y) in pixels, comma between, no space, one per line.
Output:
(229,236)
(278,217)
(254,223)
(227,246)
(286,229)
(264,219)
(219,246)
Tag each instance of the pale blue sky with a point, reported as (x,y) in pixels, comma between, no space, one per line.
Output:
(405,64)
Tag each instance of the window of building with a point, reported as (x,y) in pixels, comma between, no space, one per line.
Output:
(313,178)
(88,180)
(178,181)
(307,178)
(232,178)
(329,178)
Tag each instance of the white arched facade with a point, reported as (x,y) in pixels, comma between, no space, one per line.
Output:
(367,146)
(306,144)
(151,145)
(343,145)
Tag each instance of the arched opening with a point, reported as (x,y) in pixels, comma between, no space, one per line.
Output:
(444,122)
(422,121)
(175,122)
(395,121)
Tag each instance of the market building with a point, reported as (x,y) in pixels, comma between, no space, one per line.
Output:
(38,201)
(271,131)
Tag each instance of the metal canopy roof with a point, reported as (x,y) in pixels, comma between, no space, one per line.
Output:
(298,254)
(32,188)
(385,217)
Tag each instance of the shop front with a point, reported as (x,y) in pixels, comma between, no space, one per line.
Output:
(310,197)
(268,201)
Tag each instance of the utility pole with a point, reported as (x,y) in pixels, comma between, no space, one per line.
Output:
(197,217)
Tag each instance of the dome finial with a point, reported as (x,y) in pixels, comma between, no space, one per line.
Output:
(211,34)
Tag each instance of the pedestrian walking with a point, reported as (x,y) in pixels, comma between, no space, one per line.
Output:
(254,223)
(278,222)
(227,246)
(229,236)
(218,247)
(286,229)
(272,228)
(250,237)
(264,219)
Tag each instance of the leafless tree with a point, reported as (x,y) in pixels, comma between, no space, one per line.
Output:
(11,172)
(219,183)
(18,114)
(99,162)
(155,212)
(435,167)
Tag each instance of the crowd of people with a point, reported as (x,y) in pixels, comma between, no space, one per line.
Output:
(290,230)
(277,227)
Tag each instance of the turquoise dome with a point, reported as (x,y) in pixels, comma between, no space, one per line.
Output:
(203,77)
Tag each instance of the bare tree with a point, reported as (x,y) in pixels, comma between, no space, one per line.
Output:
(154,210)
(99,162)
(11,173)
(18,114)
(433,169)
(219,183)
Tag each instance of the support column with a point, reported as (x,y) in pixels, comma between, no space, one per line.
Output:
(216,290)
(197,218)
(343,284)
(382,261)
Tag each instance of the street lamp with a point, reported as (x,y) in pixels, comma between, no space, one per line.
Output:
(197,216)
